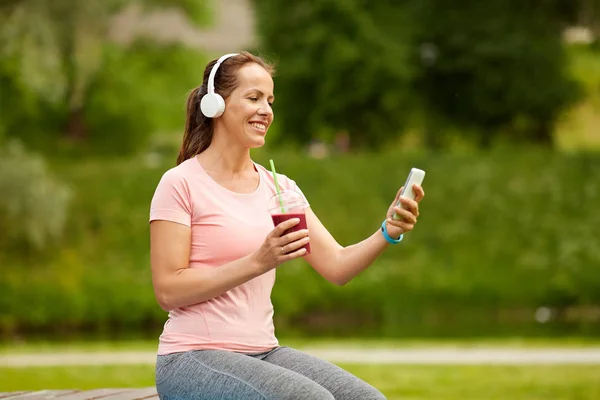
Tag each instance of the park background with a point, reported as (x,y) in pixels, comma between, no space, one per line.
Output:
(499,101)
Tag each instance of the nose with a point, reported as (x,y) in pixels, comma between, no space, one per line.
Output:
(265,110)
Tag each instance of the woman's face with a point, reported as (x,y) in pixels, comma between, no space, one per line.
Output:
(248,110)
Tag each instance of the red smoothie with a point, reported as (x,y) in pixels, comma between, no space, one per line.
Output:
(279,218)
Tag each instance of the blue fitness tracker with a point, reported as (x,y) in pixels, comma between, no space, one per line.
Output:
(388,237)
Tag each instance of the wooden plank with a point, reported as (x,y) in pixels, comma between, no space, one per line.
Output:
(7,395)
(137,394)
(43,394)
(94,394)
(148,393)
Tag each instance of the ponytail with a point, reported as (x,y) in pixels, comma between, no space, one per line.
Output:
(198,131)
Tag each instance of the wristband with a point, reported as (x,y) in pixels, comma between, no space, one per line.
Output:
(388,237)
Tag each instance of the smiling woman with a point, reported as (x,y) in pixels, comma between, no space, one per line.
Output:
(246,75)
(215,250)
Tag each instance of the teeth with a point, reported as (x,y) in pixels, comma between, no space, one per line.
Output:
(262,127)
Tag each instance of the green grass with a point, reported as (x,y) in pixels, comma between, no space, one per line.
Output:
(76,377)
(416,382)
(41,346)
(11,347)
(395,381)
(512,342)
(483,382)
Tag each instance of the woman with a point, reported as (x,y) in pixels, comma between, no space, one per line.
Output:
(214,252)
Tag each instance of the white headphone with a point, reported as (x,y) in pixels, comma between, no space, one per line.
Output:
(212,104)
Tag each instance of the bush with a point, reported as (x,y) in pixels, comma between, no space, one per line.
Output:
(500,234)
(33,205)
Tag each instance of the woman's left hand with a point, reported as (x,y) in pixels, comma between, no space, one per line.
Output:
(408,214)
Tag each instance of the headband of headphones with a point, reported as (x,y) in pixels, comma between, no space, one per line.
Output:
(213,72)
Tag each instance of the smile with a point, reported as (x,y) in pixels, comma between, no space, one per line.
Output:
(259,126)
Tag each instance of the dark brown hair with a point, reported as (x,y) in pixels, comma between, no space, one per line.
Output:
(198,131)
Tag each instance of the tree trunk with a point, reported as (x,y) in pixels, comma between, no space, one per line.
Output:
(542,133)
(589,16)
(76,128)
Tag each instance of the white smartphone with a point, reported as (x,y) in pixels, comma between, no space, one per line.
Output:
(415,176)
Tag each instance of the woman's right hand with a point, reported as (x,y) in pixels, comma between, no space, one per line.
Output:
(278,249)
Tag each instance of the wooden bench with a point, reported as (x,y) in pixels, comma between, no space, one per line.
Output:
(104,394)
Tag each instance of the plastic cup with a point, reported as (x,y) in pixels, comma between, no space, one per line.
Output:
(286,205)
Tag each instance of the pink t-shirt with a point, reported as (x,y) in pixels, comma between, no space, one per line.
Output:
(225,227)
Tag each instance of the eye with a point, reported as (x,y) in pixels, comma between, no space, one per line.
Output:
(254,98)
(271,104)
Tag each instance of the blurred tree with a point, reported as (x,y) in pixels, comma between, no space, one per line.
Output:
(578,12)
(140,90)
(483,68)
(341,67)
(33,205)
(492,67)
(51,52)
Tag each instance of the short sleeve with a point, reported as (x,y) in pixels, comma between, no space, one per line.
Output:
(171,200)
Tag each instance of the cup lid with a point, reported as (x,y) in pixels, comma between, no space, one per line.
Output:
(285,201)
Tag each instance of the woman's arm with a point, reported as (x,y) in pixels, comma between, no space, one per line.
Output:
(176,285)
(339,264)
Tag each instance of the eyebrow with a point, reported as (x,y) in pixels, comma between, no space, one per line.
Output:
(261,93)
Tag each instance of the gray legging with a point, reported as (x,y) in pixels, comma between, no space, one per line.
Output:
(280,374)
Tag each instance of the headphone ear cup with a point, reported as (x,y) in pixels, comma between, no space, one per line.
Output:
(212,105)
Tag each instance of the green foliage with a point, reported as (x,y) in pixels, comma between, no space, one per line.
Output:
(579,127)
(340,67)
(30,79)
(487,70)
(140,90)
(26,116)
(33,205)
(499,235)
(493,66)
(68,83)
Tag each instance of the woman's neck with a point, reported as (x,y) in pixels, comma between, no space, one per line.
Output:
(227,160)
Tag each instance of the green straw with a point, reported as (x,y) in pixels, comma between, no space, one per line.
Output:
(277,185)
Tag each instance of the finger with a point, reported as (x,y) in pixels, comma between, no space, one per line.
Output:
(296,254)
(293,236)
(406,215)
(290,247)
(405,226)
(399,192)
(419,192)
(411,205)
(284,226)
(398,196)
